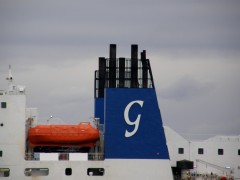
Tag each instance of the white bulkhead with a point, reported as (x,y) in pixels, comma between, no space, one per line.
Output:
(12,125)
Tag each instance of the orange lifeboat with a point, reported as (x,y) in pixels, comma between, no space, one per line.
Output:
(83,135)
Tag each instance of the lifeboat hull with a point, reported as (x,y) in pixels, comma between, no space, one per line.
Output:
(82,135)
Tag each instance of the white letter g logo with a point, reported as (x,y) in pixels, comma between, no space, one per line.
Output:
(126,117)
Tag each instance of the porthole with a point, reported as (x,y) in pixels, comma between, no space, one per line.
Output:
(68,171)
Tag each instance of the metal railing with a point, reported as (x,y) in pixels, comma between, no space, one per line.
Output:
(95,156)
(64,156)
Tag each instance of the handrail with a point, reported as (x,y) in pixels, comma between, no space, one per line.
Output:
(215,166)
(65,156)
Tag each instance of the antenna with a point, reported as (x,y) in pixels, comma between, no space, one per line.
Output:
(49,119)
(10,76)
(11,87)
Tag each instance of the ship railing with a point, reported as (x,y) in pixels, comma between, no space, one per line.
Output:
(29,156)
(95,156)
(2,92)
(223,169)
(13,90)
(65,156)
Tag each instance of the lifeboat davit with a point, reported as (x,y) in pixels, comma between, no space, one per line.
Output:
(83,135)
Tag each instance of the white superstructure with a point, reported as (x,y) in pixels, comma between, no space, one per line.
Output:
(217,155)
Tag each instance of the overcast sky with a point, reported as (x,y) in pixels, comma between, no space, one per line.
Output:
(194,49)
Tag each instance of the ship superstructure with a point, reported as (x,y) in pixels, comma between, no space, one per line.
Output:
(128,143)
(126,140)
(209,159)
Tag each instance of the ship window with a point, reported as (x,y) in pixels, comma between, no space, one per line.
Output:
(4,172)
(200,151)
(68,171)
(3,105)
(1,153)
(220,151)
(239,152)
(36,171)
(180,150)
(95,171)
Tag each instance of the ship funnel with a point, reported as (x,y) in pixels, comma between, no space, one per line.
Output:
(113,72)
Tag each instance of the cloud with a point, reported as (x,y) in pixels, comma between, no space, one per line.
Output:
(186,88)
(53,47)
(158,24)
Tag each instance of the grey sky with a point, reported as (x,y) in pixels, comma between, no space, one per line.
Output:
(194,48)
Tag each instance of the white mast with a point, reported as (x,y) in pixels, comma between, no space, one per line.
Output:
(10,76)
(10,79)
